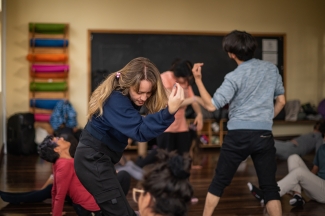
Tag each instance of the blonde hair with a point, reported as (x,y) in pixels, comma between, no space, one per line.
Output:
(128,77)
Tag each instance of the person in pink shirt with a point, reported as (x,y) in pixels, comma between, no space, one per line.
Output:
(66,182)
(177,136)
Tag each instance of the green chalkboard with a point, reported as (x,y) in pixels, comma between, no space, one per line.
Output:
(111,50)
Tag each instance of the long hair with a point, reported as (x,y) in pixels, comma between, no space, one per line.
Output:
(128,77)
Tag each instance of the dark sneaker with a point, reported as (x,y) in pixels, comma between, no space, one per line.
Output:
(257,193)
(297,201)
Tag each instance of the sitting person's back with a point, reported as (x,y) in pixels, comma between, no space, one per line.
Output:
(46,191)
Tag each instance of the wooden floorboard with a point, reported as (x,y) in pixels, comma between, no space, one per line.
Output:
(24,173)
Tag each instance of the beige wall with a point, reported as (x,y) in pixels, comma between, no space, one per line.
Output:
(301,20)
(1,94)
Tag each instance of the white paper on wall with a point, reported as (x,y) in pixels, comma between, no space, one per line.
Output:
(269,45)
(271,57)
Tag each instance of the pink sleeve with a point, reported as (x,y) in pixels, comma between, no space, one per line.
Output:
(62,178)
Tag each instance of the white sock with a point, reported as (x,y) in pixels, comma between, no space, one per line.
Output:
(137,174)
(250,186)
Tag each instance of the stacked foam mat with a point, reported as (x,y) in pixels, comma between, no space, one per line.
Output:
(49,67)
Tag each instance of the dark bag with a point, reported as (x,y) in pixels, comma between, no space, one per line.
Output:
(21,134)
(309,109)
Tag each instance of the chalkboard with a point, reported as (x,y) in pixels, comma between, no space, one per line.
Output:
(110,51)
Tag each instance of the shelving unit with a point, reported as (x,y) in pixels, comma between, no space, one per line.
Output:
(208,131)
(48,57)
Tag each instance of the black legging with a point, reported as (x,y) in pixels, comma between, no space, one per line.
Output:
(123,177)
(27,197)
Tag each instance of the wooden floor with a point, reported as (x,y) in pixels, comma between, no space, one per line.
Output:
(24,173)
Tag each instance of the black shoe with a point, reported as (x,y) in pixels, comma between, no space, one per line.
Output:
(257,193)
(297,201)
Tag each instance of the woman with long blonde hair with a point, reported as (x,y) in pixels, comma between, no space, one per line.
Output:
(113,117)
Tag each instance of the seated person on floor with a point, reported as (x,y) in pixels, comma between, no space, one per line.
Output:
(301,145)
(45,192)
(165,189)
(300,177)
(65,182)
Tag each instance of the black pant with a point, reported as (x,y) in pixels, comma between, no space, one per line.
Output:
(124,179)
(27,197)
(83,212)
(180,141)
(237,146)
(96,172)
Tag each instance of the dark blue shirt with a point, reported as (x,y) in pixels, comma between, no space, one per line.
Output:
(121,120)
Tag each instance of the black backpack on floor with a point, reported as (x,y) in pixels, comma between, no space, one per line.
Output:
(21,134)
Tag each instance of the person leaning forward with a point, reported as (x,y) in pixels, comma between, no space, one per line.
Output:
(113,117)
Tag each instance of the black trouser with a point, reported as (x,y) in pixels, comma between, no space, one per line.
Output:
(96,172)
(149,159)
(237,146)
(170,142)
(180,141)
(83,212)
(27,197)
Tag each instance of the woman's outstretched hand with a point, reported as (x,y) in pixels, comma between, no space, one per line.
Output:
(176,98)
(196,70)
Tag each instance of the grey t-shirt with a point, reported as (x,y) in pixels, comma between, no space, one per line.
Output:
(250,91)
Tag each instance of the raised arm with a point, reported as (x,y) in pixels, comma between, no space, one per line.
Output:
(206,97)
(121,114)
(175,99)
(190,100)
(198,121)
